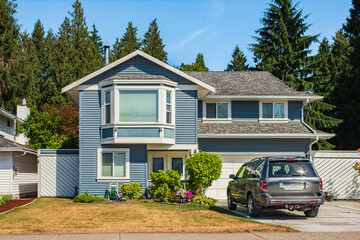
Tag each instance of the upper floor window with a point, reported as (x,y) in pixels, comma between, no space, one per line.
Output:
(273,110)
(168,107)
(217,110)
(107,107)
(138,106)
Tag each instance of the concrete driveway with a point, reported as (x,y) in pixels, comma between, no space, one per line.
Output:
(337,216)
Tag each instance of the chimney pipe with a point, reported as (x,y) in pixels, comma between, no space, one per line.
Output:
(106,51)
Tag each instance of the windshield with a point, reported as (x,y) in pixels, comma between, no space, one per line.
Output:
(291,169)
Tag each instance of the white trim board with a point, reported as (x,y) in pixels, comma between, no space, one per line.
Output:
(264,135)
(132,55)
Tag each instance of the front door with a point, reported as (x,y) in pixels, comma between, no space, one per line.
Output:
(158,164)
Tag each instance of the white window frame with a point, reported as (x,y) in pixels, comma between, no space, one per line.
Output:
(171,107)
(100,151)
(273,119)
(216,119)
(106,104)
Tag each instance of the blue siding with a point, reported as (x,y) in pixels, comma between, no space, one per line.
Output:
(89,141)
(254,145)
(107,132)
(169,133)
(140,65)
(294,112)
(244,109)
(59,151)
(186,117)
(200,110)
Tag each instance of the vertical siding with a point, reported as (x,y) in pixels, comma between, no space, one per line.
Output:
(245,109)
(200,110)
(294,110)
(59,173)
(26,180)
(186,117)
(90,142)
(5,174)
(254,145)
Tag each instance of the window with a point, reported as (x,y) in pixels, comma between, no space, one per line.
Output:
(273,110)
(158,164)
(113,163)
(291,169)
(138,106)
(217,110)
(8,124)
(168,107)
(107,107)
(241,171)
(177,165)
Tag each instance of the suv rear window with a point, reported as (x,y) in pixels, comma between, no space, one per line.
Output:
(291,169)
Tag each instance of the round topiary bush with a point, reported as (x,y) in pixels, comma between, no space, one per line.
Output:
(202,169)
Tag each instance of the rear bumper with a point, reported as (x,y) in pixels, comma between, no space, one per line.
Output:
(280,201)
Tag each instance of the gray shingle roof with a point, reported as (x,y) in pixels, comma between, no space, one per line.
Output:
(245,83)
(137,77)
(5,143)
(251,128)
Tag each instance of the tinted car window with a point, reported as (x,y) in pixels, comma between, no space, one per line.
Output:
(257,168)
(291,169)
(247,172)
(241,171)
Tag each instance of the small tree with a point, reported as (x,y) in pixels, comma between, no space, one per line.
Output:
(357,167)
(202,169)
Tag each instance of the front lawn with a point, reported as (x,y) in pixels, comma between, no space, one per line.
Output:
(56,215)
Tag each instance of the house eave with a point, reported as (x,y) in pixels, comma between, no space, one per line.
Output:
(256,97)
(267,135)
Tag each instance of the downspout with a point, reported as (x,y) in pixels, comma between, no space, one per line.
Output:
(312,130)
(15,132)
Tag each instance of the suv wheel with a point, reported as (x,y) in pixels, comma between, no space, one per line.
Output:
(230,203)
(313,212)
(253,210)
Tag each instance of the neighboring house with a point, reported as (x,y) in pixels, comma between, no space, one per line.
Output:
(18,169)
(139,115)
(8,122)
(18,163)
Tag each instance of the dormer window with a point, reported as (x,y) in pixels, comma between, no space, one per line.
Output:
(217,110)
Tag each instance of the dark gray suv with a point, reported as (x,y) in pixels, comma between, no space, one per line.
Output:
(276,182)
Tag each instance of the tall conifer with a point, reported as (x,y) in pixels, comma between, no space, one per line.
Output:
(238,62)
(153,44)
(198,65)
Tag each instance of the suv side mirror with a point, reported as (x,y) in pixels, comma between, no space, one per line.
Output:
(232,176)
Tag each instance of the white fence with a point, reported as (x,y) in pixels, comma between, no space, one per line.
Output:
(336,170)
(59,173)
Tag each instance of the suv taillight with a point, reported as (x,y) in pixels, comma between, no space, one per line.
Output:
(264,185)
(320,185)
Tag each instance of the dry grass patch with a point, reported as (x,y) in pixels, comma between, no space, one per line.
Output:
(54,215)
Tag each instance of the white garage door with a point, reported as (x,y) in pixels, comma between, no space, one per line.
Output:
(230,165)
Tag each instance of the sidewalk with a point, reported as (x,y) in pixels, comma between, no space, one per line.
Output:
(190,236)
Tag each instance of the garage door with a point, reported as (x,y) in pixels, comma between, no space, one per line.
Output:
(230,165)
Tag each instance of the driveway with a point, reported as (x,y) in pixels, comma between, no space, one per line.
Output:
(337,216)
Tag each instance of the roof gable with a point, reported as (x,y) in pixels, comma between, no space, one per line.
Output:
(140,63)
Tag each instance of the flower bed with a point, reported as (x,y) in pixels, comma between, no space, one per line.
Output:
(14,203)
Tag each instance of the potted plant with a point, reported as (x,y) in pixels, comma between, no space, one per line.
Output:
(329,196)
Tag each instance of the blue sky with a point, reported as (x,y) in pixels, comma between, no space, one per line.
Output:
(188,27)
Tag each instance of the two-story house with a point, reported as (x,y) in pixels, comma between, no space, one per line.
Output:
(139,115)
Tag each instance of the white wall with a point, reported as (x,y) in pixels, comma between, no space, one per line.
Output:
(5,173)
(26,177)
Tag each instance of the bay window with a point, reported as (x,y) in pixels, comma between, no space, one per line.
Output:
(138,106)
(168,107)
(107,107)
(217,110)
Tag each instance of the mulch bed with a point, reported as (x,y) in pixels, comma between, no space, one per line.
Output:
(14,203)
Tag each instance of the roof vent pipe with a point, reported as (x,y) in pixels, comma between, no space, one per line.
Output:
(106,51)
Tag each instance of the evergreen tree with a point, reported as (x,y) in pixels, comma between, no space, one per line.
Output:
(127,44)
(319,114)
(95,37)
(153,44)
(348,84)
(282,47)
(10,88)
(198,65)
(238,63)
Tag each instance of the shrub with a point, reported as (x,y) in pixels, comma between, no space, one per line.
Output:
(204,200)
(87,198)
(7,198)
(131,190)
(2,202)
(357,167)
(202,169)
(164,184)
